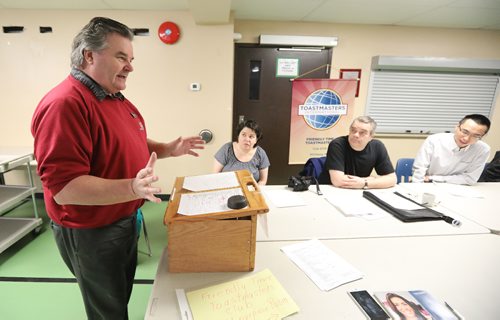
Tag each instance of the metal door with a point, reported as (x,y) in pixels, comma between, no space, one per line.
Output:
(262,94)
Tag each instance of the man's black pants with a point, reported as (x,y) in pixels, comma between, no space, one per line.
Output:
(103,260)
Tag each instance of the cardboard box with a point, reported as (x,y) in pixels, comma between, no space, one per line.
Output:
(214,242)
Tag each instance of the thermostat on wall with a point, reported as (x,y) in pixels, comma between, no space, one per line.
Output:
(195,86)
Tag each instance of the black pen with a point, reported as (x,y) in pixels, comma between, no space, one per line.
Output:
(318,191)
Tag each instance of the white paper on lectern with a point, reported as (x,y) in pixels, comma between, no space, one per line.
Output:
(284,198)
(323,266)
(192,204)
(211,181)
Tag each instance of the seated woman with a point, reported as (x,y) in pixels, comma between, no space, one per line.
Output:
(244,153)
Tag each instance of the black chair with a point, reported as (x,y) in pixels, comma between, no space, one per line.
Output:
(404,169)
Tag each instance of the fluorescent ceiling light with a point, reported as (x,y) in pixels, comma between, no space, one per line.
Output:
(305,41)
(301,49)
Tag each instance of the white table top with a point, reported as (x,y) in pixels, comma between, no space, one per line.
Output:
(462,270)
(15,152)
(319,219)
(11,154)
(484,211)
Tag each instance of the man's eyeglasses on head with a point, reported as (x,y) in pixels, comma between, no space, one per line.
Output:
(467,133)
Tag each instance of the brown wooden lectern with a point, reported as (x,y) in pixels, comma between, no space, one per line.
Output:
(214,242)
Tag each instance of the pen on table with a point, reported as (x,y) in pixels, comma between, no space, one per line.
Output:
(454,222)
(318,191)
(458,315)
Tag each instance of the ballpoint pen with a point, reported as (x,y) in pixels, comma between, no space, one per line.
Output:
(318,191)
(458,315)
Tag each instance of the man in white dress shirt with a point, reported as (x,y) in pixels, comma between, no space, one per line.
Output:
(457,157)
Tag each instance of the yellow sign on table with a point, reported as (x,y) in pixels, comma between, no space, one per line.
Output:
(259,296)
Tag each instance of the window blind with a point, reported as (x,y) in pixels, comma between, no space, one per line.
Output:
(427,102)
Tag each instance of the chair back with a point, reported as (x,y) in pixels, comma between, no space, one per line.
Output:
(404,169)
(313,167)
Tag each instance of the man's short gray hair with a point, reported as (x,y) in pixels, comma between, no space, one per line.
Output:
(92,37)
(366,119)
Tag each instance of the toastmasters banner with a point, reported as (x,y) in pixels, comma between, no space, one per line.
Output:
(322,109)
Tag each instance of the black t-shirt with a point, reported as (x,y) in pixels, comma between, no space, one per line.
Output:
(491,172)
(340,156)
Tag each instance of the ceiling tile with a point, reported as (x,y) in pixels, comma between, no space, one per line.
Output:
(289,10)
(54,4)
(456,17)
(372,13)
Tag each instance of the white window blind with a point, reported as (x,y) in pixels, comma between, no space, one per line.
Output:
(428,102)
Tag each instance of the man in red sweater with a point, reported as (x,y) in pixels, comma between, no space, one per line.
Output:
(96,165)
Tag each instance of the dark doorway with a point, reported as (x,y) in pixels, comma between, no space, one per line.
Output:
(261,95)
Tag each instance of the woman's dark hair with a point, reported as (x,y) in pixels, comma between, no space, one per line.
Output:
(250,124)
(415,308)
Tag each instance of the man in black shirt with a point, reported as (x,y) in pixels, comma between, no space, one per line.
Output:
(491,171)
(351,159)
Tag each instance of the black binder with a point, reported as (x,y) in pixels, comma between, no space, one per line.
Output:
(423,214)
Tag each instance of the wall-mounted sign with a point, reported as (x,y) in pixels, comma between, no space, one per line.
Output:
(287,68)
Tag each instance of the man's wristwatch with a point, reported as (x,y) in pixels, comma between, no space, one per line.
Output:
(366,184)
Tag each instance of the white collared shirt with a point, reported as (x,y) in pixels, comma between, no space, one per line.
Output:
(442,160)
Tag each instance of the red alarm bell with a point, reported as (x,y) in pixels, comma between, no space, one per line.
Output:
(169,32)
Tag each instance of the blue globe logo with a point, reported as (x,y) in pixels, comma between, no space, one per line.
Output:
(322,98)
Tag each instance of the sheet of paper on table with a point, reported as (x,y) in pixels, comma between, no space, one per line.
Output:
(323,266)
(258,296)
(359,207)
(284,198)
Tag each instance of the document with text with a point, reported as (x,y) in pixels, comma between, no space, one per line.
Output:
(192,204)
(323,266)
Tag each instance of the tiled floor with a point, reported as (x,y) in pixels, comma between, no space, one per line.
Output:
(35,283)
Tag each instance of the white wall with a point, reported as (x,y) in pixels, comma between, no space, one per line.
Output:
(32,63)
(357,44)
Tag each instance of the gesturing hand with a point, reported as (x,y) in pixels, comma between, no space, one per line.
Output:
(141,184)
(182,146)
